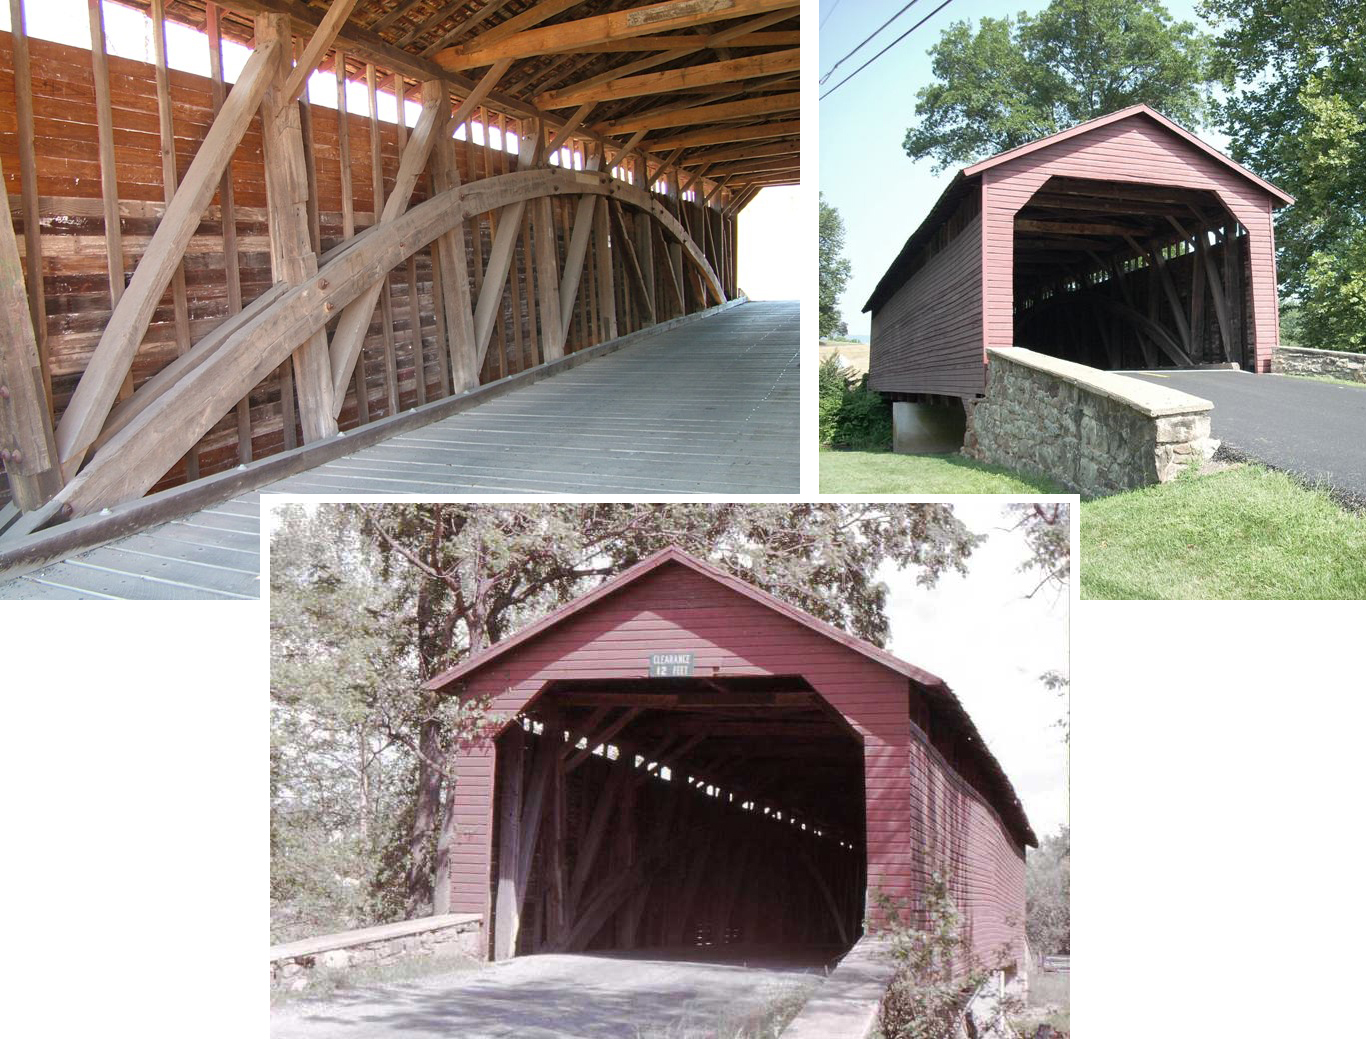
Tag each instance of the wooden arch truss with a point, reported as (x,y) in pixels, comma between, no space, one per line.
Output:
(315,315)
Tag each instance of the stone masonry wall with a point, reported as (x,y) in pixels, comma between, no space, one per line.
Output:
(1300,360)
(1037,422)
(294,965)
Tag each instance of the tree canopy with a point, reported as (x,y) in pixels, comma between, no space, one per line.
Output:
(835,271)
(1296,114)
(1010,81)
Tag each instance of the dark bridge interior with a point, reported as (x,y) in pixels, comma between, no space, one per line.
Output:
(678,812)
(1119,275)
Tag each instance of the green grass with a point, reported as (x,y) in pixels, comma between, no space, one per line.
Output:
(1246,533)
(883,473)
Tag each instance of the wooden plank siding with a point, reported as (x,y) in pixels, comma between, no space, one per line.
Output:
(74,266)
(930,330)
(921,811)
(928,336)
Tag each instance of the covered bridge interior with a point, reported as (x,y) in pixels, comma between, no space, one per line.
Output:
(1120,275)
(683,813)
(204,273)
(687,762)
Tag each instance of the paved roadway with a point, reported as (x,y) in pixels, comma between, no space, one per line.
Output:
(1315,430)
(708,407)
(637,994)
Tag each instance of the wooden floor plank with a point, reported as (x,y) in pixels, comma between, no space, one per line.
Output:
(709,408)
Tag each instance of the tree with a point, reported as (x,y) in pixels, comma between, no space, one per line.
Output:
(1048,887)
(1047,531)
(835,271)
(1012,81)
(445,581)
(1296,114)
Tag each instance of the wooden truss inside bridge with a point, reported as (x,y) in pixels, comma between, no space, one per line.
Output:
(198,277)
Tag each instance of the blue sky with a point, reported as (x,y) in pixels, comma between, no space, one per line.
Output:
(880,192)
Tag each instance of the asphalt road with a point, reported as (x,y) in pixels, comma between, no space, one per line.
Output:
(1315,430)
(637,994)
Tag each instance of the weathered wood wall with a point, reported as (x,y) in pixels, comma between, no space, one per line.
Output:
(75,274)
(929,333)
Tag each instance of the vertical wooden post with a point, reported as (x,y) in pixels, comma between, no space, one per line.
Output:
(450,252)
(170,179)
(348,214)
(28,449)
(516,272)
(291,254)
(508,906)
(500,326)
(228,216)
(109,182)
(414,306)
(386,308)
(28,189)
(315,231)
(546,247)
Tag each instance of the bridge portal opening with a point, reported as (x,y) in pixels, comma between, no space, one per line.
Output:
(718,813)
(1121,275)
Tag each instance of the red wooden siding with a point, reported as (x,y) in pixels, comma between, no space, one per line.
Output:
(1135,149)
(931,333)
(928,336)
(920,812)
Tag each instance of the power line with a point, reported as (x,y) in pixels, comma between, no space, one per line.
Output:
(893,44)
(828,14)
(831,71)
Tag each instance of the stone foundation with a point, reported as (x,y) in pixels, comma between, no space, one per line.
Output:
(294,965)
(1300,360)
(1094,431)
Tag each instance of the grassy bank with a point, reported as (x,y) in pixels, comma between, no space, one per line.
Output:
(886,473)
(1245,533)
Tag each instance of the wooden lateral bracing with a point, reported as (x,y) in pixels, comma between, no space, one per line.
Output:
(187,252)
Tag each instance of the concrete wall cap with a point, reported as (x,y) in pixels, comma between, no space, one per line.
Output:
(1347,355)
(1147,398)
(374,934)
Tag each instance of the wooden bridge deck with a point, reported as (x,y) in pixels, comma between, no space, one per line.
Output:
(710,407)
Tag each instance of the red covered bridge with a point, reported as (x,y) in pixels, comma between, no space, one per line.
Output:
(1124,242)
(689,761)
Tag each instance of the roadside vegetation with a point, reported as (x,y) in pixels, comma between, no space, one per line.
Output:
(1244,533)
(327,983)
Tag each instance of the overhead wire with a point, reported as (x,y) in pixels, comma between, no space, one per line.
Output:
(893,44)
(831,71)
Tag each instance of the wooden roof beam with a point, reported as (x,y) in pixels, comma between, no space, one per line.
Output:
(676,79)
(778,148)
(317,46)
(681,116)
(723,135)
(456,31)
(596,29)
